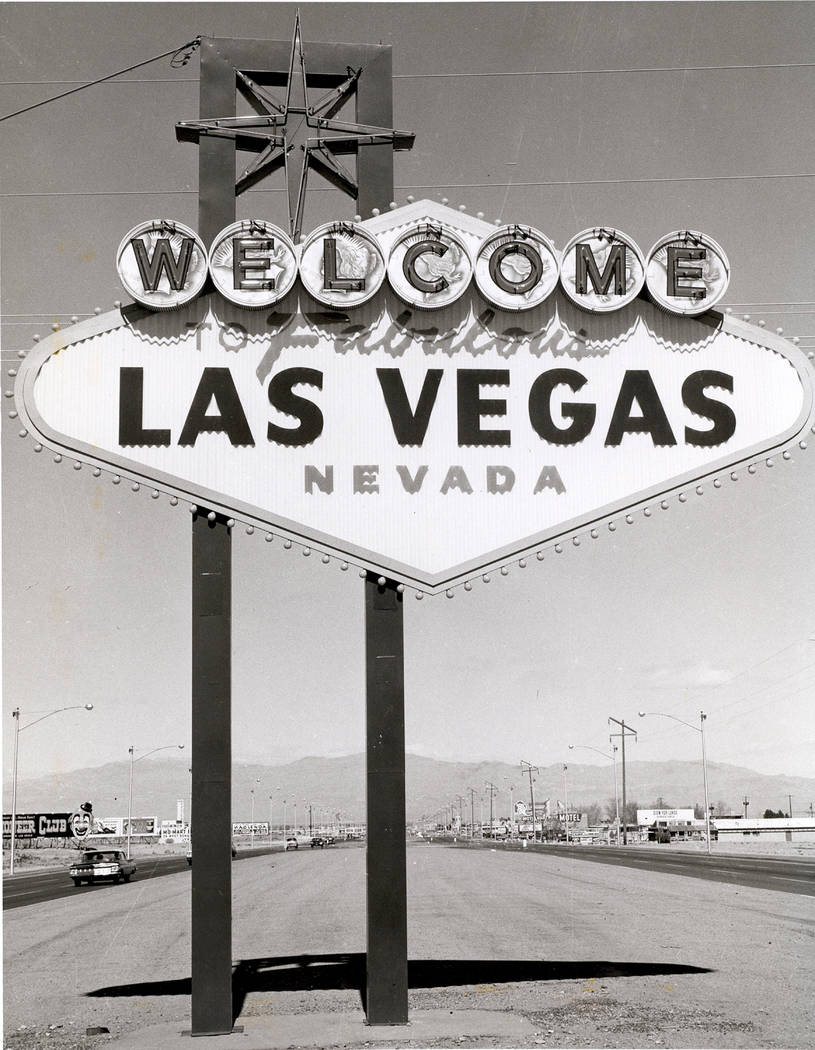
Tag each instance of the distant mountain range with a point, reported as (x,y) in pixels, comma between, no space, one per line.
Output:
(337,785)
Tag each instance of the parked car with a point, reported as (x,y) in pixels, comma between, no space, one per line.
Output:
(291,843)
(97,865)
(189,853)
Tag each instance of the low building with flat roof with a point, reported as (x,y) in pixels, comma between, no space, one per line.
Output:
(778,829)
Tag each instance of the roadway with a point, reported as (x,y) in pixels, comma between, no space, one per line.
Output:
(35,887)
(782,874)
(580,953)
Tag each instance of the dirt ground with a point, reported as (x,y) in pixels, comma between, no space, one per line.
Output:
(639,959)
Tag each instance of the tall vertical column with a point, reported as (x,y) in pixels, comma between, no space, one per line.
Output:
(386,981)
(211,952)
(211,776)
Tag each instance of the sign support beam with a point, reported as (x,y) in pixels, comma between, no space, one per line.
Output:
(386,978)
(211,952)
(386,992)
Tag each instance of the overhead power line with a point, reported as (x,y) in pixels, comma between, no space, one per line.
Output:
(605,71)
(182,52)
(449,185)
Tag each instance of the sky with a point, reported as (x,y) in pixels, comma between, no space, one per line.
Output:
(645,117)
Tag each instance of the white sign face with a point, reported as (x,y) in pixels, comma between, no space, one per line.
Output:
(428,446)
(672,816)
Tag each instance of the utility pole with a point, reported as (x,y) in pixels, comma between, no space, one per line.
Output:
(472,811)
(565,804)
(460,812)
(527,767)
(789,797)
(624,729)
(493,789)
(745,802)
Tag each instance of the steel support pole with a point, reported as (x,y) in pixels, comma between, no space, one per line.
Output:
(15,714)
(211,776)
(625,819)
(131,750)
(565,806)
(386,979)
(616,793)
(702,717)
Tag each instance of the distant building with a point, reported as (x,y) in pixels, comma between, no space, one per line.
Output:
(778,829)
(665,825)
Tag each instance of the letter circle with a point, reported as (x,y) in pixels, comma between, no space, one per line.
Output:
(602,270)
(253,263)
(516,268)
(429,266)
(695,264)
(162,264)
(341,264)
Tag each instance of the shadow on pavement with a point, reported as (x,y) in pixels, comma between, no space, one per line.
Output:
(297,973)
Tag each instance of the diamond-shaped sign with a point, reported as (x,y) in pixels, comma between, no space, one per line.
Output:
(429,444)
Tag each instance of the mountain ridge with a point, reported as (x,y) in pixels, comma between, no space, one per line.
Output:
(337,785)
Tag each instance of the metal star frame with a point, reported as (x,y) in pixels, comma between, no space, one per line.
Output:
(275,132)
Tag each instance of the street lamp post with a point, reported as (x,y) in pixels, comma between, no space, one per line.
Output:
(565,804)
(493,791)
(15,714)
(511,805)
(252,816)
(701,730)
(527,767)
(624,729)
(131,751)
(613,757)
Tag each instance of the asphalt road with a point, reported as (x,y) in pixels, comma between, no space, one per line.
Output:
(783,874)
(38,886)
(580,954)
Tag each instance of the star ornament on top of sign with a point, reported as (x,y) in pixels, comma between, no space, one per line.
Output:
(280,132)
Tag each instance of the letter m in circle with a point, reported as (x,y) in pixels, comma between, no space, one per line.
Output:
(586,269)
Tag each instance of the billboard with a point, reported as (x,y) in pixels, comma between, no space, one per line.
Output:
(671,816)
(249,828)
(38,825)
(465,416)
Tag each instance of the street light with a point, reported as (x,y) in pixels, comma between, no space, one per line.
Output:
(131,751)
(701,730)
(15,714)
(613,757)
(565,804)
(511,805)
(252,817)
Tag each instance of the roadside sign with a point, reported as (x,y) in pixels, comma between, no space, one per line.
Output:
(426,435)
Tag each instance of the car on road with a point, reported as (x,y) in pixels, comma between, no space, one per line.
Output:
(189,853)
(97,865)
(317,840)
(291,843)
